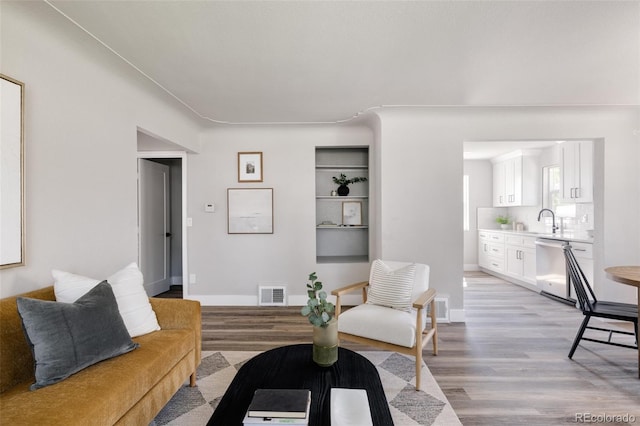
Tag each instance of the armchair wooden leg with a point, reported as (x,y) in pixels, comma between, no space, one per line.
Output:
(418,368)
(418,348)
(434,326)
(192,380)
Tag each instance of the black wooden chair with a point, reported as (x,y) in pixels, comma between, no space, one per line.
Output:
(592,307)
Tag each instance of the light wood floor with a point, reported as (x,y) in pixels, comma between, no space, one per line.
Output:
(507,365)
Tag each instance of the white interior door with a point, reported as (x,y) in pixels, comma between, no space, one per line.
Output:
(153,220)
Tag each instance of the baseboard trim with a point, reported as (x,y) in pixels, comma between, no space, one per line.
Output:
(456,315)
(238,300)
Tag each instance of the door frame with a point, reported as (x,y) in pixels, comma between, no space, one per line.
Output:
(182,155)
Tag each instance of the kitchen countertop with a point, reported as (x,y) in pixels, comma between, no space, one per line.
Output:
(579,237)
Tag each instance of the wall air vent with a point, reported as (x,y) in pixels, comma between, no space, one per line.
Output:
(442,309)
(272,296)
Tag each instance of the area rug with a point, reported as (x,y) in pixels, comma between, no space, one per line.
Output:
(194,406)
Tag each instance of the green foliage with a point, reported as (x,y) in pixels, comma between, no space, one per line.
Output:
(318,309)
(502,220)
(342,180)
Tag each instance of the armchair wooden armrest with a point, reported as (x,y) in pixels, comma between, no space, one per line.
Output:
(424,298)
(347,289)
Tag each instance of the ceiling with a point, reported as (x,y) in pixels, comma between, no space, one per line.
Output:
(330,61)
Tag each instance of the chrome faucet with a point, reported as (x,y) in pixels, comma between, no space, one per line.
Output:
(553,218)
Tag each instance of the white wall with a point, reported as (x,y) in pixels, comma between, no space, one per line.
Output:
(229,268)
(82,110)
(421,181)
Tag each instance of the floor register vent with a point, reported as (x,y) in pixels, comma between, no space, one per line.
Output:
(272,296)
(442,309)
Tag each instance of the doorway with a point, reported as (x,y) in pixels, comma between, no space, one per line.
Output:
(162,221)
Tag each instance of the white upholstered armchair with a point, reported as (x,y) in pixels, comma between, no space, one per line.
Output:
(393,315)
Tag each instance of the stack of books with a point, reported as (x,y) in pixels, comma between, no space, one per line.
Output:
(279,406)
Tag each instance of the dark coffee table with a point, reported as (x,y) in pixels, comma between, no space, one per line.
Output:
(291,367)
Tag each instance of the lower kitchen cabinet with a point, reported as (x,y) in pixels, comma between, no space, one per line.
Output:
(511,256)
(491,250)
(521,258)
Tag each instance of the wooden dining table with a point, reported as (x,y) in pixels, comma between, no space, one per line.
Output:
(629,275)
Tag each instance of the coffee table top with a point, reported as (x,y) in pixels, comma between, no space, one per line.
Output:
(292,367)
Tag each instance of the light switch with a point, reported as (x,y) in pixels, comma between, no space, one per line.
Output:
(209,207)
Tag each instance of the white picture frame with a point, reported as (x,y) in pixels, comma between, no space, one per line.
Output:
(250,210)
(351,213)
(250,167)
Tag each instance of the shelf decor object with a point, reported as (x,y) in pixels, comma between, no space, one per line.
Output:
(249,167)
(352,213)
(250,211)
(344,182)
(12,169)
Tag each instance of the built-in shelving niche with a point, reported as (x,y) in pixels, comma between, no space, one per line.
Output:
(335,242)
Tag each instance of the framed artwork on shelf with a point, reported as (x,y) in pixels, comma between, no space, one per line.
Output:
(250,167)
(351,213)
(250,210)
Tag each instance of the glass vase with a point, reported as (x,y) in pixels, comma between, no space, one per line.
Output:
(325,344)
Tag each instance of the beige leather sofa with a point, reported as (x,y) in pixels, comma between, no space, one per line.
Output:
(129,389)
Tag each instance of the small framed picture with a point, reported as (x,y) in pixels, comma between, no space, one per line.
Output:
(351,213)
(250,167)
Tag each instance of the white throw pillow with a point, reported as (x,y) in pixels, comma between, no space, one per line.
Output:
(389,287)
(128,288)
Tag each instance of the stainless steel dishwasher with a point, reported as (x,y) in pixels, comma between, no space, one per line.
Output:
(551,270)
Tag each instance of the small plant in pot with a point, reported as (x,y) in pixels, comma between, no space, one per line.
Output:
(503,221)
(343,183)
(320,313)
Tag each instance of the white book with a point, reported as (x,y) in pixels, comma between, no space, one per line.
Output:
(350,407)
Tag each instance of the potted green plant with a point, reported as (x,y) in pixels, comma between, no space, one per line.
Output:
(343,183)
(320,313)
(503,221)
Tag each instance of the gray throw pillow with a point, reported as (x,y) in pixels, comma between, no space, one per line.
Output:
(68,337)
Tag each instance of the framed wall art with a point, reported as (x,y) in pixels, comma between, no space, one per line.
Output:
(250,167)
(351,213)
(12,248)
(250,210)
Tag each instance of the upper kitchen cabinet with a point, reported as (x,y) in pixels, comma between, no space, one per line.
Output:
(516,179)
(342,220)
(576,171)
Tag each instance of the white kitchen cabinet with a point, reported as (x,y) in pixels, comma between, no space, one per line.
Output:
(499,188)
(337,242)
(516,179)
(491,250)
(521,257)
(577,171)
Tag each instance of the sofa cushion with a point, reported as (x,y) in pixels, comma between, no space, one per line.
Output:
(68,337)
(128,287)
(391,287)
(105,392)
